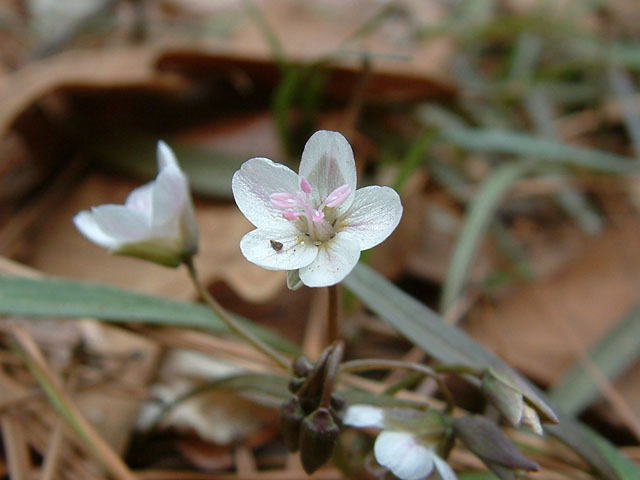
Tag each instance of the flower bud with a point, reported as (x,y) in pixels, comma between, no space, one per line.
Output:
(516,399)
(295,384)
(492,446)
(318,436)
(507,400)
(157,222)
(291,417)
(301,366)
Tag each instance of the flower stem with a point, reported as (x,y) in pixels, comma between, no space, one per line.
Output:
(333,323)
(382,364)
(232,324)
(459,370)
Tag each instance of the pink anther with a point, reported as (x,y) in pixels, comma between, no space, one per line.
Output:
(283,200)
(338,196)
(305,185)
(290,215)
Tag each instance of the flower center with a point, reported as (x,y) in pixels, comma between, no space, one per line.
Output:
(299,207)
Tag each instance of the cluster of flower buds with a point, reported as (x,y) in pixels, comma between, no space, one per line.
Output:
(311,419)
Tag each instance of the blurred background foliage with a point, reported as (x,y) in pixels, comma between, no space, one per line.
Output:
(510,127)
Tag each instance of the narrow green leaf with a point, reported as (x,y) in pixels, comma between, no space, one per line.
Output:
(625,90)
(52,297)
(541,110)
(618,349)
(268,33)
(415,321)
(625,468)
(475,225)
(282,103)
(527,146)
(448,344)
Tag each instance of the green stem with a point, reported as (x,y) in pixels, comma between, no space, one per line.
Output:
(232,324)
(458,369)
(404,383)
(381,364)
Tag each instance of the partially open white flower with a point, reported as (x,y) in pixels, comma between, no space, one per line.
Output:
(404,446)
(156,223)
(316,223)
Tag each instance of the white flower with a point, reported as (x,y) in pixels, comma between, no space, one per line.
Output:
(316,223)
(156,223)
(404,446)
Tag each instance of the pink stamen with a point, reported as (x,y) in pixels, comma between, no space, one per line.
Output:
(290,215)
(300,206)
(305,185)
(338,196)
(318,216)
(283,200)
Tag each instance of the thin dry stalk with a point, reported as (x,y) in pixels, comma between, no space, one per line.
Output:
(9,267)
(16,447)
(245,462)
(100,448)
(239,353)
(323,474)
(73,466)
(55,450)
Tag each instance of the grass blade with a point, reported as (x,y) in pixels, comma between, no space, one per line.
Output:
(613,353)
(53,297)
(527,146)
(475,225)
(625,91)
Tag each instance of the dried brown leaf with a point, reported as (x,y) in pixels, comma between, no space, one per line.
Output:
(588,295)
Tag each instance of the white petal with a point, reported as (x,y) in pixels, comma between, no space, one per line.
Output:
(122,224)
(189,227)
(293,280)
(364,416)
(165,156)
(169,195)
(406,458)
(336,258)
(141,199)
(445,471)
(254,183)
(279,248)
(327,163)
(374,214)
(86,223)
